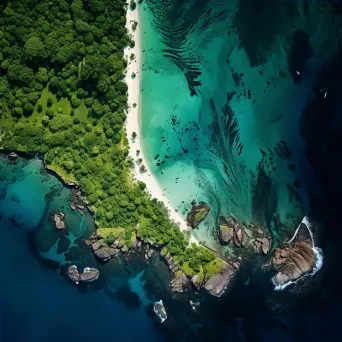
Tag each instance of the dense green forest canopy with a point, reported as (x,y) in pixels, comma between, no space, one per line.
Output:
(62,93)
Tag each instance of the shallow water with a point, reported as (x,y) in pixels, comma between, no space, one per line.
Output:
(222,98)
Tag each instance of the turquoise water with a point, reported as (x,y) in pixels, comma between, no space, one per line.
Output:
(223,103)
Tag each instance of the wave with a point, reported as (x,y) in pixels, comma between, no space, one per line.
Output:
(318,256)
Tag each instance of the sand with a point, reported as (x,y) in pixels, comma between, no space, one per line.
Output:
(132,125)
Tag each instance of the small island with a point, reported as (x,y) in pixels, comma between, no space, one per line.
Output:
(197,214)
(88,275)
(160,311)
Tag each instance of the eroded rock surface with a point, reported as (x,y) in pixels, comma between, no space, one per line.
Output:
(295,259)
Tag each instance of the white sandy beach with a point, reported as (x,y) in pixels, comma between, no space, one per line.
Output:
(132,123)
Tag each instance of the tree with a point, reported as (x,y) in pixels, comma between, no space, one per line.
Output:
(81,26)
(20,73)
(34,48)
(28,108)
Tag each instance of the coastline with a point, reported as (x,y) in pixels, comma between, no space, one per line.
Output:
(133,123)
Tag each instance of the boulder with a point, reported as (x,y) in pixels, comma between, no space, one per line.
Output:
(180,282)
(88,275)
(218,282)
(59,220)
(196,281)
(72,206)
(244,239)
(160,311)
(293,262)
(104,253)
(262,245)
(95,246)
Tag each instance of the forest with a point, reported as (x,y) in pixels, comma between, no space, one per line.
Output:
(62,93)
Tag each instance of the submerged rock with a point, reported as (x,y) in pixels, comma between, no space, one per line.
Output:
(293,261)
(197,214)
(88,275)
(160,311)
(59,220)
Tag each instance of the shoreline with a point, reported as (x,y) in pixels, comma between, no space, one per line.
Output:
(133,124)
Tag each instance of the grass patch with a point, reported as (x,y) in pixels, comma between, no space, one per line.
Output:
(105,232)
(187,269)
(200,215)
(213,267)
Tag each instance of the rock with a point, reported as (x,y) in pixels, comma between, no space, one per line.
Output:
(197,214)
(12,156)
(88,275)
(104,253)
(294,260)
(218,282)
(260,232)
(262,245)
(95,246)
(197,282)
(160,311)
(81,207)
(244,239)
(237,237)
(169,260)
(135,243)
(226,232)
(180,282)
(59,221)
(124,249)
(150,252)
(72,206)
(139,244)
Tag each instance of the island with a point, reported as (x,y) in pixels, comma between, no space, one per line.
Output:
(160,311)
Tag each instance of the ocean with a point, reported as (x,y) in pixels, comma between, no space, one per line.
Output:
(235,125)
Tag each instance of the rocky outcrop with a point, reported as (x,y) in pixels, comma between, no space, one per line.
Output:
(179,283)
(59,220)
(197,214)
(218,282)
(226,230)
(262,245)
(294,260)
(231,230)
(88,275)
(105,253)
(12,157)
(160,311)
